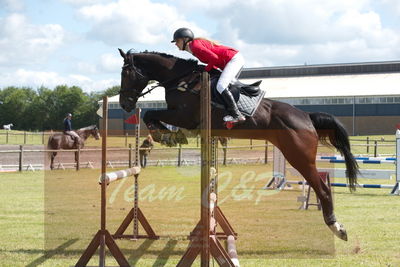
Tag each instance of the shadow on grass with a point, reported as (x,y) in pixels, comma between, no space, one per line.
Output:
(51,253)
(164,255)
(140,251)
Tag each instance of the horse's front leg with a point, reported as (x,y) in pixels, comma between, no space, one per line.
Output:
(52,156)
(176,117)
(76,157)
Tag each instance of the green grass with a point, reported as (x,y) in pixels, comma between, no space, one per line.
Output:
(32,138)
(48,218)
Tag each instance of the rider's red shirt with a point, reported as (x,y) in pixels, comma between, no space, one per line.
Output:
(215,56)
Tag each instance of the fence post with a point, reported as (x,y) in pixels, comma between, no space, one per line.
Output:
(179,155)
(375,148)
(266,152)
(6,137)
(251,143)
(43,137)
(24,137)
(130,156)
(367,144)
(78,157)
(21,156)
(225,150)
(126,139)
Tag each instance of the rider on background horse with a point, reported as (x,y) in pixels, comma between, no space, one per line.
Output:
(228,59)
(68,130)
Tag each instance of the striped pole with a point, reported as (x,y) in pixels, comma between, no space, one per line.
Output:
(347,185)
(396,189)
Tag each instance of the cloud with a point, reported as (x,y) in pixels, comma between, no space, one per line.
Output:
(34,79)
(12,5)
(134,21)
(111,62)
(25,43)
(285,32)
(106,63)
(391,5)
(83,2)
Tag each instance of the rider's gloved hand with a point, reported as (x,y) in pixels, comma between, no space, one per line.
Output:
(200,68)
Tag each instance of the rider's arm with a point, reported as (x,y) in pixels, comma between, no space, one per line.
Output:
(204,54)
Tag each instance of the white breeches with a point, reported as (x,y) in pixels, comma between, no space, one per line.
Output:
(73,134)
(230,72)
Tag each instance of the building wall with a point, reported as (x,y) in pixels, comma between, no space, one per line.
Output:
(369,119)
(118,126)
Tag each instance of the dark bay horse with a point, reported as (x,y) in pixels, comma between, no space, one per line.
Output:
(62,141)
(296,133)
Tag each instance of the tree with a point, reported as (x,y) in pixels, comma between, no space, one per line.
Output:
(15,103)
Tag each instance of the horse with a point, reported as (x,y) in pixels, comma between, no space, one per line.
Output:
(296,133)
(63,141)
(145,149)
(7,127)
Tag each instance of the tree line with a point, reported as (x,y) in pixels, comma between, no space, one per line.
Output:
(44,109)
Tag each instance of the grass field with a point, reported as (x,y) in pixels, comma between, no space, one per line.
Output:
(358,142)
(48,219)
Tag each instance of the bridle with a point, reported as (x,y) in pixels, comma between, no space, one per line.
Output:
(131,66)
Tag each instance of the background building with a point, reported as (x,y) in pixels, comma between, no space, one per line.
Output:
(365,97)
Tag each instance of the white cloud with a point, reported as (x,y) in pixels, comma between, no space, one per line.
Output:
(23,77)
(83,2)
(392,5)
(111,62)
(25,43)
(106,63)
(87,68)
(284,32)
(13,5)
(134,21)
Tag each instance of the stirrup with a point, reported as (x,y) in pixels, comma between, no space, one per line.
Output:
(230,118)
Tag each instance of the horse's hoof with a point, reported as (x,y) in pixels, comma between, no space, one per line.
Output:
(339,230)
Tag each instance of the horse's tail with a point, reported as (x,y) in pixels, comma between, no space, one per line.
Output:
(328,126)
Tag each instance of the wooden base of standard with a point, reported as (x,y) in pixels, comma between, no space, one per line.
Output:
(142,220)
(98,239)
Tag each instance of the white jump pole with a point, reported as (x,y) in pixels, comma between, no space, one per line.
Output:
(396,190)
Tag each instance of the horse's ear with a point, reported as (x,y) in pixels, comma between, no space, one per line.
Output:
(122,53)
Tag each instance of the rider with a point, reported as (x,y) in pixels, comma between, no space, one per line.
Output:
(229,60)
(68,129)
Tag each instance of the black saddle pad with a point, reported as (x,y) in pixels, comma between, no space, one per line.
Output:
(248,96)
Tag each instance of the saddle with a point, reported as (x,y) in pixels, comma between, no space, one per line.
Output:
(247,96)
(237,88)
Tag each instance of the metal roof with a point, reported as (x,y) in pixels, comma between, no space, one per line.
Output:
(331,85)
(322,69)
(327,80)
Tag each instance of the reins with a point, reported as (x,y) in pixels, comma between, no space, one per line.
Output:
(162,84)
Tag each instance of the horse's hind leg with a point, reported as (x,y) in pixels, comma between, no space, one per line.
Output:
(300,151)
(324,195)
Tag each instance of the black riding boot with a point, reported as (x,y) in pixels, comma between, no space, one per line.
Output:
(232,107)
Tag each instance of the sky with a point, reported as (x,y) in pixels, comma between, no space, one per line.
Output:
(74,42)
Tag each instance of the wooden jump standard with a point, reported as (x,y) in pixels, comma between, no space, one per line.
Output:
(103,237)
(204,238)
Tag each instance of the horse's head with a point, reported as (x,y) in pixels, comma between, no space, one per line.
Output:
(95,132)
(133,81)
(140,68)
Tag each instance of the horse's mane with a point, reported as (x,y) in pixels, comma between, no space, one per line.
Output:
(88,128)
(179,60)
